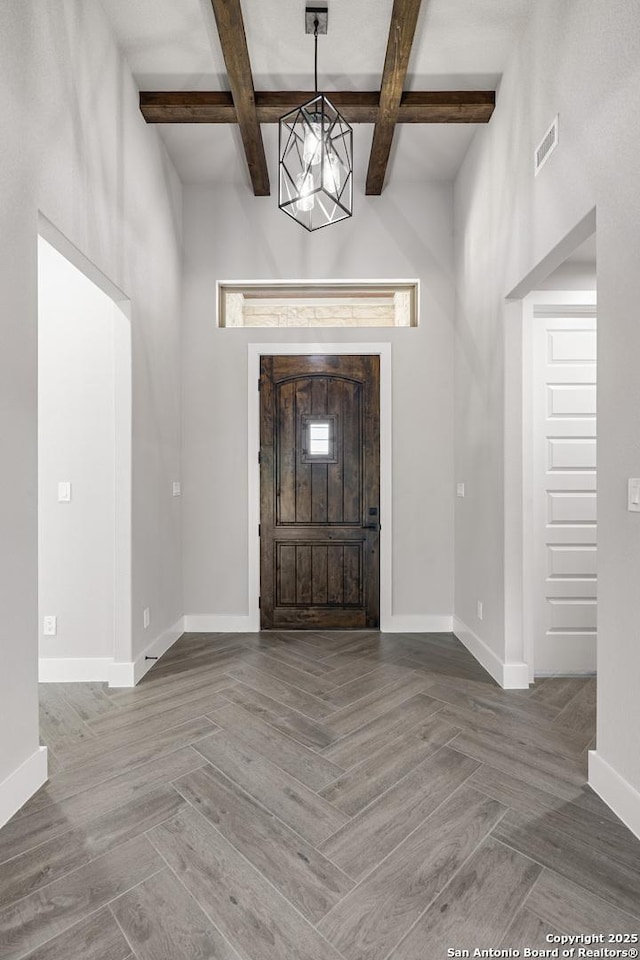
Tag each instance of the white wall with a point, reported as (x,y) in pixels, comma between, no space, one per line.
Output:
(581,59)
(580,275)
(76,443)
(229,234)
(75,147)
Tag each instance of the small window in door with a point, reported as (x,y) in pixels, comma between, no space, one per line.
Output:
(319,439)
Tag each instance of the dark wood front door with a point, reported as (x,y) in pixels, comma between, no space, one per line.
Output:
(320,492)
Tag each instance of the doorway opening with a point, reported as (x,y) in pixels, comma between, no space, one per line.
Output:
(319,492)
(84,466)
(560,596)
(550,462)
(256,351)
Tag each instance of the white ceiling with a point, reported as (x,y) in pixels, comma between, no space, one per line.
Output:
(460,44)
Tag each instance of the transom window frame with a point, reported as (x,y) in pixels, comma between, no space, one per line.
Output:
(291,304)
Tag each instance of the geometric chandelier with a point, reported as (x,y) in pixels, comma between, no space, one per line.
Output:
(316,157)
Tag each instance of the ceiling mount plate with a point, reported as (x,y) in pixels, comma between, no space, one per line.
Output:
(311,14)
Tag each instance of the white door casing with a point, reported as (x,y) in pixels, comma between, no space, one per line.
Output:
(388,621)
(564,595)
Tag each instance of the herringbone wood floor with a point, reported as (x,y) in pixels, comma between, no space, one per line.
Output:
(313,797)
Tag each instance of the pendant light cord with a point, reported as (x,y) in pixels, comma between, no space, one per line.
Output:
(316,24)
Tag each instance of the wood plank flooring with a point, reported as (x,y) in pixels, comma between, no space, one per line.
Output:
(313,796)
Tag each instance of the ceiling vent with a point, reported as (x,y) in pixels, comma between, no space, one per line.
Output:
(546,146)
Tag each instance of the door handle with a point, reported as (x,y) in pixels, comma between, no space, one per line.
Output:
(374,525)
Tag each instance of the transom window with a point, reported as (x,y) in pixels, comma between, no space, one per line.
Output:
(319,304)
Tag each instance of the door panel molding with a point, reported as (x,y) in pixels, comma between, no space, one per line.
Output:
(255,352)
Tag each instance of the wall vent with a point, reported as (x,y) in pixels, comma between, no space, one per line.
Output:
(546,146)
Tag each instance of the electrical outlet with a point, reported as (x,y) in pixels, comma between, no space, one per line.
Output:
(177,488)
(50,626)
(460,489)
(146,617)
(479,609)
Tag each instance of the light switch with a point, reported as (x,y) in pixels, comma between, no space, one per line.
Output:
(633,496)
(64,492)
(460,489)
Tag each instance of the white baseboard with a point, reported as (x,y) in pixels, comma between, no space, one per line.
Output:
(16,789)
(515,676)
(129,672)
(417,623)
(510,676)
(616,792)
(219,623)
(73,669)
(105,669)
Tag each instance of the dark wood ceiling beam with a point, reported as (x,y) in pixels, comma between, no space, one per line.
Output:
(404,18)
(233,40)
(458,106)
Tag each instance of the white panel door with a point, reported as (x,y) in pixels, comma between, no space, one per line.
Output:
(564,493)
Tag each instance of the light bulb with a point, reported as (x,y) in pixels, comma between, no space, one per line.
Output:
(305,186)
(311,150)
(331,173)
